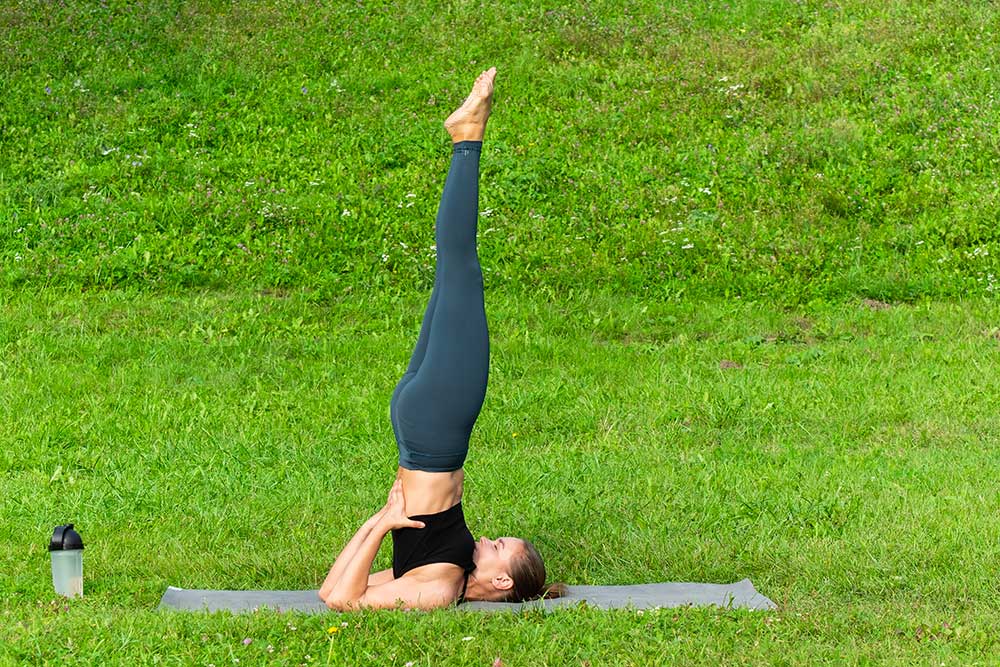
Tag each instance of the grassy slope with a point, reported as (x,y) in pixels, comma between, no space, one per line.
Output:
(809,153)
(800,150)
(848,468)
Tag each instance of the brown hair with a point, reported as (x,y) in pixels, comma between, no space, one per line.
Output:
(528,573)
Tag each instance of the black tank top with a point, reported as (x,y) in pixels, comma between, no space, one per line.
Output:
(444,539)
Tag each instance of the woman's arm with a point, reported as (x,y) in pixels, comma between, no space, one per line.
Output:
(348,553)
(380,577)
(385,592)
(352,581)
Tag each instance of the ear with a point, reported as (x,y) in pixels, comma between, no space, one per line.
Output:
(503,582)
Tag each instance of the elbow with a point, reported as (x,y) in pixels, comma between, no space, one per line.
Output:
(337,603)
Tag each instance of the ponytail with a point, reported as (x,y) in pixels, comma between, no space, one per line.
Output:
(554,590)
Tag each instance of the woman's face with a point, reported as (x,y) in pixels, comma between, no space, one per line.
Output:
(493,557)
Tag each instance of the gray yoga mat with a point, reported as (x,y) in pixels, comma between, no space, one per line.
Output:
(741,594)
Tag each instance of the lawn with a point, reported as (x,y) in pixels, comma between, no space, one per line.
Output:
(845,461)
(795,150)
(742,262)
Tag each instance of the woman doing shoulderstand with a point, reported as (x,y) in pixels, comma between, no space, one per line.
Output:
(435,560)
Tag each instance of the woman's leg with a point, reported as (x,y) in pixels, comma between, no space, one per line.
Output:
(436,404)
(416,358)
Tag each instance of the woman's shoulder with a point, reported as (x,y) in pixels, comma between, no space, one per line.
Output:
(423,587)
(435,572)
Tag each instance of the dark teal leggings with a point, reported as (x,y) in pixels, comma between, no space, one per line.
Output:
(436,403)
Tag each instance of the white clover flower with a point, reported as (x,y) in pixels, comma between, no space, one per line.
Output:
(345,214)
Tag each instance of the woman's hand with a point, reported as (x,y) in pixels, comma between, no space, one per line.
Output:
(394,512)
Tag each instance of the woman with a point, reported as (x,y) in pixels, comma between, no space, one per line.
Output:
(435,559)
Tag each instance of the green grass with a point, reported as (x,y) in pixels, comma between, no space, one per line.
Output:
(237,439)
(797,150)
(216,241)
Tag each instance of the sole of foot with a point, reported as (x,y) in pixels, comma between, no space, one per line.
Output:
(468,122)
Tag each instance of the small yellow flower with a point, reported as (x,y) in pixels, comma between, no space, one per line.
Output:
(332,629)
(515,435)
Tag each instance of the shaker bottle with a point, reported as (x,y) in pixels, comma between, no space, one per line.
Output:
(66,549)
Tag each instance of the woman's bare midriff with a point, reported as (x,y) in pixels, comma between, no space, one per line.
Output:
(430,492)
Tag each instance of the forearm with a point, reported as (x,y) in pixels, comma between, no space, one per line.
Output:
(348,553)
(353,580)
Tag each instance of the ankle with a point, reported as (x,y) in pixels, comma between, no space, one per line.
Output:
(468,135)
(467,146)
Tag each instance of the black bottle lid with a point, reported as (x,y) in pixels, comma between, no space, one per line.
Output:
(65,538)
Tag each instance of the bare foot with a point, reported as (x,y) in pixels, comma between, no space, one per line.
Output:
(468,122)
